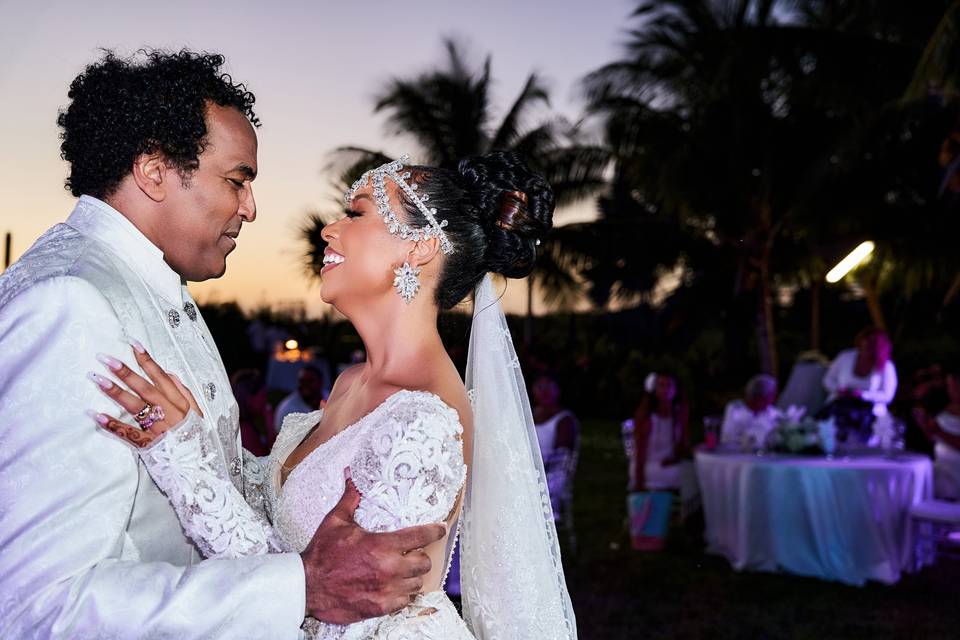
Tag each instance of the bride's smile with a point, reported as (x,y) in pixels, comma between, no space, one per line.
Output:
(330,260)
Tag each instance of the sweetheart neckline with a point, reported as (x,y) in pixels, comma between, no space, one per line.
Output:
(349,427)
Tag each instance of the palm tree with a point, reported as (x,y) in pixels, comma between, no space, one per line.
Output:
(728,120)
(448,112)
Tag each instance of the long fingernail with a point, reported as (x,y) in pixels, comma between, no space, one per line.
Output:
(102,382)
(109,361)
(137,346)
(100,418)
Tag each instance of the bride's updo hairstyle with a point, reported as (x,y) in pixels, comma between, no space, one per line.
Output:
(496,209)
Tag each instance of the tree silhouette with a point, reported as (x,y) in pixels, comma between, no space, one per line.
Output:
(447,111)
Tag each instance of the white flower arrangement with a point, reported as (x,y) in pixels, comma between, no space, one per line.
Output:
(803,435)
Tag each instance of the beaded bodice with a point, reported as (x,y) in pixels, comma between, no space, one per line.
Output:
(405,457)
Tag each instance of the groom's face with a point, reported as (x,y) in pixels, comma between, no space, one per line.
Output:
(203,214)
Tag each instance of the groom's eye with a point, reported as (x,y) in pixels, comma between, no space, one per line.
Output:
(237,183)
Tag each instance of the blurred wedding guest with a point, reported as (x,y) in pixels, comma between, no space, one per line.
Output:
(928,392)
(310,393)
(944,431)
(661,434)
(558,435)
(256,414)
(747,422)
(861,383)
(865,372)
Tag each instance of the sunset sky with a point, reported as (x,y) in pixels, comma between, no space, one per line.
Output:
(314,67)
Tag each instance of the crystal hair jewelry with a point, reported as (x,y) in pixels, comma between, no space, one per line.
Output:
(434,229)
(406,281)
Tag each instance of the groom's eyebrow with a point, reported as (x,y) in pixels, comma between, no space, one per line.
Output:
(248,172)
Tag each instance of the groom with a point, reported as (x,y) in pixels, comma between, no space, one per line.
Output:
(162,152)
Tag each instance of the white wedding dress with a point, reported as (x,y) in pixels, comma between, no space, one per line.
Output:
(405,457)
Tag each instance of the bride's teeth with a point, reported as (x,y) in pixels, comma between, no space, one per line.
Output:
(333,259)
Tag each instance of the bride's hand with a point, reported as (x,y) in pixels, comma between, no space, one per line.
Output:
(157,404)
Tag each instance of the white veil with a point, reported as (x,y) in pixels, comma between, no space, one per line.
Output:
(511,578)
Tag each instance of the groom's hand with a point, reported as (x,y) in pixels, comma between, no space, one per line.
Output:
(352,574)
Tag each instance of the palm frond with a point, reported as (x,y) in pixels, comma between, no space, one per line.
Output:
(533,91)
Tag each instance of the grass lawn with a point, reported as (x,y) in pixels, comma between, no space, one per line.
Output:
(684,593)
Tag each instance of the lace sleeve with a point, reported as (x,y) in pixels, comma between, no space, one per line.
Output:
(412,471)
(185,465)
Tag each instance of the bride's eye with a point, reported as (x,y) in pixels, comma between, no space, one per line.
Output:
(351,213)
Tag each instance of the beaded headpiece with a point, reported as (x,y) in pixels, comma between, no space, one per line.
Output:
(434,229)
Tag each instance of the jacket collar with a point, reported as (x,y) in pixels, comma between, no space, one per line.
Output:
(98,220)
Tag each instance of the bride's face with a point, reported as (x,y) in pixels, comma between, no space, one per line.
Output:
(361,253)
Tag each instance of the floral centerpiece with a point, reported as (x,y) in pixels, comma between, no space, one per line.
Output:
(804,435)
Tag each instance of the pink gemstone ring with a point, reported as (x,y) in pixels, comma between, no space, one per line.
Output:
(149,415)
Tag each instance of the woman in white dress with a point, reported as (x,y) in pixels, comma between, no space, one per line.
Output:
(417,445)
(866,372)
(661,435)
(861,383)
(944,431)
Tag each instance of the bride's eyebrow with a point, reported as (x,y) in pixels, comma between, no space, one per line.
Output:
(362,195)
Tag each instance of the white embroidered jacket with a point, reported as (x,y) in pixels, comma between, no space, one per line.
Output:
(89,546)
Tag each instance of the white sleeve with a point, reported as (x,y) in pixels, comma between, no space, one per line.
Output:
(186,466)
(831,380)
(416,471)
(729,428)
(888,386)
(67,492)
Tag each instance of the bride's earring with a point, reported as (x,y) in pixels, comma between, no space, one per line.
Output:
(406,281)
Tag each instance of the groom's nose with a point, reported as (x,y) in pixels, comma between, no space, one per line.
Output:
(248,205)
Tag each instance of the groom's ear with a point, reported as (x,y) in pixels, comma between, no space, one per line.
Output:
(151,173)
(424,251)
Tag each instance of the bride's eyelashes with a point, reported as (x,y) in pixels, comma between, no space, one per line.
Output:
(353,213)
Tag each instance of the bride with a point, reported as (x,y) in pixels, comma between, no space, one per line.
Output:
(418,444)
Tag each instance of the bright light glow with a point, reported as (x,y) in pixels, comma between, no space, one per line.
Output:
(845,266)
(291,345)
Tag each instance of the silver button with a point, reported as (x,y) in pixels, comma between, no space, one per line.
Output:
(190,310)
(210,390)
(173,316)
(235,466)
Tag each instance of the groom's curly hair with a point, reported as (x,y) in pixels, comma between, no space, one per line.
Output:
(154,101)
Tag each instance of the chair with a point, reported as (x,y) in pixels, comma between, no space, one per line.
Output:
(804,387)
(933,523)
(626,436)
(564,517)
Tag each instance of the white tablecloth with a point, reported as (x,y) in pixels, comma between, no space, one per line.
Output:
(840,519)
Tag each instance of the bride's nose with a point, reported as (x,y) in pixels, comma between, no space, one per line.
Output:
(329,231)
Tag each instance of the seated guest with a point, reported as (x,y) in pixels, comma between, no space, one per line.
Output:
(944,432)
(309,394)
(861,382)
(557,433)
(661,434)
(256,414)
(747,422)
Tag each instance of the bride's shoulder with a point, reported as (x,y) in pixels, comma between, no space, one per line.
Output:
(424,408)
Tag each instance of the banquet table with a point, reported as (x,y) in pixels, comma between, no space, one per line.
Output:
(844,519)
